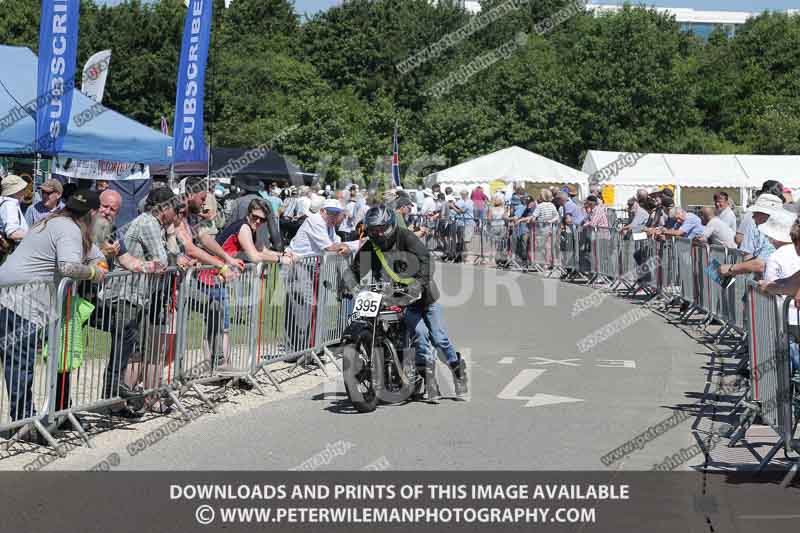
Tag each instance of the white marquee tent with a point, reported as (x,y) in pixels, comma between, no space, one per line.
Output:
(513,164)
(627,172)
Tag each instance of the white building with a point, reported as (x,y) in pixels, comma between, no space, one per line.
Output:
(701,23)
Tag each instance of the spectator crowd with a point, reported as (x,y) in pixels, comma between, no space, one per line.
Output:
(74,230)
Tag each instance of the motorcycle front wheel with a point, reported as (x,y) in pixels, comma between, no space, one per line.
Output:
(357,368)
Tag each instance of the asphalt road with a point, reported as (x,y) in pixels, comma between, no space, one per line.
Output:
(537,401)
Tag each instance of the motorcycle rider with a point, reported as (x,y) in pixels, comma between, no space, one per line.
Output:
(396,254)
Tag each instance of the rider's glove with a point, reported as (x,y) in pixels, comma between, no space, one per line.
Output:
(414,290)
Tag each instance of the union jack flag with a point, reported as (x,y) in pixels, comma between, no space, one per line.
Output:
(395,159)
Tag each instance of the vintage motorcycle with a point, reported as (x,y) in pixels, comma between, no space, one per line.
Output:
(378,361)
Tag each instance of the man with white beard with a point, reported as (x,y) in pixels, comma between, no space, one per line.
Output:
(118,316)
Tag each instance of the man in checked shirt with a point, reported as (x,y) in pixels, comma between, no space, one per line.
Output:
(126,298)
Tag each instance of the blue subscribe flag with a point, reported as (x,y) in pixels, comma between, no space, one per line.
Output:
(58,50)
(188,131)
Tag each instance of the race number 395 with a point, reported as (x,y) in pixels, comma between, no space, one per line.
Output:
(367,304)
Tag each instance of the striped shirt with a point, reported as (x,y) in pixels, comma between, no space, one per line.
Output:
(545,213)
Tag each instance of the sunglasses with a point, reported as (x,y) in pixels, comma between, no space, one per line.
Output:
(43,191)
(257,218)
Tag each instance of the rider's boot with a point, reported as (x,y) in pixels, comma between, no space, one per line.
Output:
(431,384)
(428,371)
(460,380)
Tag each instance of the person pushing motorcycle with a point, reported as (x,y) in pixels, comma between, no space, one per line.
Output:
(395,254)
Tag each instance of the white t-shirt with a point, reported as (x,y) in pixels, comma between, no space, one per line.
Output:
(781,264)
(719,232)
(348,224)
(728,217)
(315,235)
(428,206)
(11,218)
(304,206)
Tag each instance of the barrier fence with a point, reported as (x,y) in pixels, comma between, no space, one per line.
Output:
(677,270)
(147,338)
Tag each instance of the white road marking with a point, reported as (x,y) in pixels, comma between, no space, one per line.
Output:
(525,378)
(540,399)
(506,361)
(617,363)
(769,516)
(546,361)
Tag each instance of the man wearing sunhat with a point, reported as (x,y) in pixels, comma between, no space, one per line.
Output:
(782,268)
(756,244)
(50,192)
(13,226)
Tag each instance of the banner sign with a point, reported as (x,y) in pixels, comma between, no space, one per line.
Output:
(95,73)
(58,50)
(100,170)
(188,129)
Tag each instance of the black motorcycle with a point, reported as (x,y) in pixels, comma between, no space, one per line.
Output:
(379,363)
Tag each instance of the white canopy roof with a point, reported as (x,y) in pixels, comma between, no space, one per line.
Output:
(693,170)
(509,165)
(760,168)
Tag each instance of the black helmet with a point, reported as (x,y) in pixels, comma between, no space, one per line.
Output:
(381,226)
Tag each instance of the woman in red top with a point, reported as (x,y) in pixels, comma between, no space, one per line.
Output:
(238,239)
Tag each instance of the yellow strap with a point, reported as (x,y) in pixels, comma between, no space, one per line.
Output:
(392,274)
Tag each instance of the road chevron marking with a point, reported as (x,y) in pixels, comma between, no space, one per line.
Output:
(525,378)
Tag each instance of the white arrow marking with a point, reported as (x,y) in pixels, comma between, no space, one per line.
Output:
(540,399)
(525,378)
(506,361)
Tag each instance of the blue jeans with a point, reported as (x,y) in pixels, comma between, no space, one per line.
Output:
(219,294)
(18,348)
(794,356)
(423,321)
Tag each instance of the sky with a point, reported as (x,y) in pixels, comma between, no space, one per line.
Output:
(312,6)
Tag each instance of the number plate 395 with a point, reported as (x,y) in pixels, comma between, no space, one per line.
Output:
(367,304)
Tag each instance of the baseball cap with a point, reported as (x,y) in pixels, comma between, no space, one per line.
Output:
(767,204)
(12,184)
(332,205)
(52,185)
(162,197)
(403,201)
(83,201)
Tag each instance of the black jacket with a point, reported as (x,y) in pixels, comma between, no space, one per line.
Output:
(409,258)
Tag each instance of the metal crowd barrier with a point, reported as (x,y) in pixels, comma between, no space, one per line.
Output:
(607,243)
(541,240)
(113,336)
(454,237)
(679,268)
(567,238)
(86,347)
(29,321)
(215,327)
(772,393)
